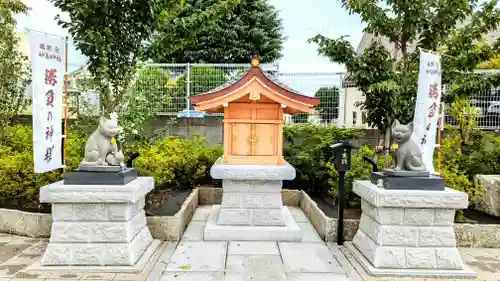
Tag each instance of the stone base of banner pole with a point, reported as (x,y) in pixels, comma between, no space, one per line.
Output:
(408,232)
(98,227)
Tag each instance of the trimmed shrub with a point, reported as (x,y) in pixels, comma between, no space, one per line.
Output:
(177,162)
(19,185)
(307,148)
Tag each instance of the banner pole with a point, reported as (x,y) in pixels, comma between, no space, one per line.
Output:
(438,145)
(65,104)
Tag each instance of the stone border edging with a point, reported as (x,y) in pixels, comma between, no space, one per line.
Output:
(466,234)
(25,223)
(172,227)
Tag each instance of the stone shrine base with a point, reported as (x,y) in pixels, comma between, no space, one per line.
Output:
(408,232)
(289,232)
(252,207)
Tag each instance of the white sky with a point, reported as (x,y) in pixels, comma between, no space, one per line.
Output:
(301,21)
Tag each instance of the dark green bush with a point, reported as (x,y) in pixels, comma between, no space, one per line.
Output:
(307,148)
(467,151)
(461,162)
(178,162)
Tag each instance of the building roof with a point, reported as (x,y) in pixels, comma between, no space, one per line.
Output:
(220,94)
(367,38)
(81,70)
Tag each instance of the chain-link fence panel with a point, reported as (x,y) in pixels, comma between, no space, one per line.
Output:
(487,103)
(324,85)
(184,80)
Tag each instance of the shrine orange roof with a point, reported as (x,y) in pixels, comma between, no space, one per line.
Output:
(218,96)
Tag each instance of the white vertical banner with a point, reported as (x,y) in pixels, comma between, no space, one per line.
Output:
(48,69)
(427,106)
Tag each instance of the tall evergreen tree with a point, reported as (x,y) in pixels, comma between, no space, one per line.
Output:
(252,27)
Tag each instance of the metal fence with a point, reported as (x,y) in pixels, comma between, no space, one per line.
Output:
(173,84)
(180,81)
(488,104)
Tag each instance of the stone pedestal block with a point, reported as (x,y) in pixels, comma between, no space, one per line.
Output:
(97,225)
(407,231)
(252,203)
(489,201)
(260,205)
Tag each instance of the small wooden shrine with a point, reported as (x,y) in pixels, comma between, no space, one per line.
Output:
(254,107)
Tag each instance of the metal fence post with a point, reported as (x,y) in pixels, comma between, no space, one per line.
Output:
(188,84)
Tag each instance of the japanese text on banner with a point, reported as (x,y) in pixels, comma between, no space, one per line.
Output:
(427,107)
(48,69)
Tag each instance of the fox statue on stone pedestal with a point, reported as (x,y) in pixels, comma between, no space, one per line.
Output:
(101,148)
(408,156)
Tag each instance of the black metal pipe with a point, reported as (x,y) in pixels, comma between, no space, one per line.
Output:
(131,159)
(372,162)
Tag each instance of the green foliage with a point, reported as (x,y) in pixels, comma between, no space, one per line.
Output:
(19,186)
(307,148)
(493,63)
(110,33)
(252,27)
(329,103)
(14,67)
(468,151)
(83,110)
(300,118)
(176,162)
(360,170)
(327,108)
(140,105)
(389,85)
(201,79)
(385,97)
(83,114)
(454,166)
(466,116)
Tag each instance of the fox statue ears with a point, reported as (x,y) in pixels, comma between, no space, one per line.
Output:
(410,126)
(102,120)
(396,124)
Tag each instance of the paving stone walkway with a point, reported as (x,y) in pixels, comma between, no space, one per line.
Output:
(192,259)
(197,260)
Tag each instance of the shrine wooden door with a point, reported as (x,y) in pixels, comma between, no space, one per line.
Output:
(253,132)
(241,139)
(264,139)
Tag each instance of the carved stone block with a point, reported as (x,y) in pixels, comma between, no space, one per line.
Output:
(97,225)
(410,229)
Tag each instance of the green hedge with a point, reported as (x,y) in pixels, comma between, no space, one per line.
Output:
(307,148)
(177,162)
(19,186)
(173,162)
(185,163)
